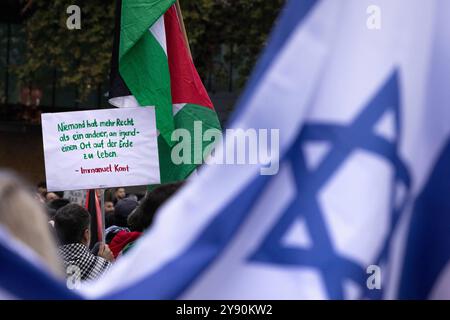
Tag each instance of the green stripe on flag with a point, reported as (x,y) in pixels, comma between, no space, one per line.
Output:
(185,119)
(143,64)
(137,18)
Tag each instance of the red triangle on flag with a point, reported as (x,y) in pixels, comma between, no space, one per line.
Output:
(186,84)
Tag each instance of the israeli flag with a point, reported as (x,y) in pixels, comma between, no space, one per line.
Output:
(360,91)
(23,274)
(360,207)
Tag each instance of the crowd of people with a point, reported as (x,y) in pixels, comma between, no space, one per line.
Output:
(64,227)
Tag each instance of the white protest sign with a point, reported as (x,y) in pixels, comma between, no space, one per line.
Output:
(100,149)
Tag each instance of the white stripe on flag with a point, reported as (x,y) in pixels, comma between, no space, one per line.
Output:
(124,102)
(131,102)
(177,107)
(158,30)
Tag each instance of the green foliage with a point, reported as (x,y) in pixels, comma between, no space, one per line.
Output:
(82,57)
(215,26)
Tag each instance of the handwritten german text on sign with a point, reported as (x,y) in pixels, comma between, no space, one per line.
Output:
(100,148)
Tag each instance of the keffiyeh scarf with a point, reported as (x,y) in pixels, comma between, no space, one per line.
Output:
(78,255)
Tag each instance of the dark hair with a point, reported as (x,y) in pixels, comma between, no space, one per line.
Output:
(50,212)
(57,204)
(122,210)
(113,195)
(109,195)
(143,217)
(71,221)
(54,205)
(59,193)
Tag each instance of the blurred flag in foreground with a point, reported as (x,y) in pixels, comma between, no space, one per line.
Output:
(23,275)
(360,91)
(364,180)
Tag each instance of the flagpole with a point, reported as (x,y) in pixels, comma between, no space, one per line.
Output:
(102,206)
(183,27)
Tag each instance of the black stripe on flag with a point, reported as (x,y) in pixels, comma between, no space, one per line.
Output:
(117,88)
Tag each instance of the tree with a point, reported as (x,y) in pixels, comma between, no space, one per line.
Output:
(80,57)
(234,29)
(221,32)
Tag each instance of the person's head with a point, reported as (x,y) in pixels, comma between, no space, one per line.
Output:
(142,218)
(54,205)
(58,203)
(53,196)
(25,219)
(120,193)
(42,188)
(122,210)
(109,214)
(133,197)
(72,224)
(109,207)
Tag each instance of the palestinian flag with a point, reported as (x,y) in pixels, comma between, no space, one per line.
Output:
(152,67)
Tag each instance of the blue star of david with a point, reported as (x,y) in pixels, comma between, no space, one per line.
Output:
(334,268)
